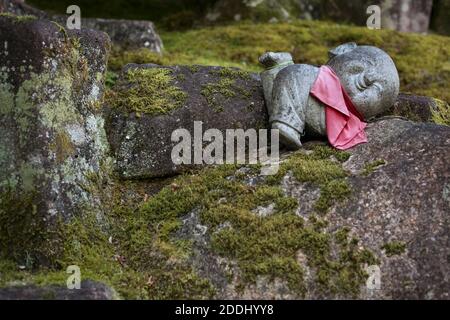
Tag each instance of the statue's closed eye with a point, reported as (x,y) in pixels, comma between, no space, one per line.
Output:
(365,80)
(362,82)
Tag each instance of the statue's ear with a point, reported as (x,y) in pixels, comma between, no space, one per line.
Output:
(343,48)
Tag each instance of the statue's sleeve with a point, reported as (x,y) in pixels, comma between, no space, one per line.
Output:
(288,105)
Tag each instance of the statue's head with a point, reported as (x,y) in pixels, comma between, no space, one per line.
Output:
(368,75)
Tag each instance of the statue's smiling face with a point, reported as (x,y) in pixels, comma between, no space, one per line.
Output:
(370,78)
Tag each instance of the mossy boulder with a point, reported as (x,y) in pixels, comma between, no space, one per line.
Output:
(421,109)
(150,102)
(402,205)
(308,232)
(52,140)
(312,230)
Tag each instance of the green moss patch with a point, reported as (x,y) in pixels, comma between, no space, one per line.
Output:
(119,58)
(24,235)
(372,166)
(394,248)
(232,73)
(150,91)
(216,93)
(111,79)
(323,168)
(18,19)
(441,113)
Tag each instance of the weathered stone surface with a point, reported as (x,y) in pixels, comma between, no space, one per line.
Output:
(141,139)
(222,98)
(406,200)
(412,107)
(90,290)
(52,139)
(126,34)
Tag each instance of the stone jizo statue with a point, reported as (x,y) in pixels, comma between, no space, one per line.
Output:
(356,84)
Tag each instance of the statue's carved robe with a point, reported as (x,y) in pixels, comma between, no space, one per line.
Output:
(344,124)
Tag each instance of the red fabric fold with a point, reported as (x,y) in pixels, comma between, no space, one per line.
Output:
(345,125)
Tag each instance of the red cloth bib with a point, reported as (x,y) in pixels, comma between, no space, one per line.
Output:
(345,125)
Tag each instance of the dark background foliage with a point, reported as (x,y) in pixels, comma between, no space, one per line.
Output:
(154,10)
(185,14)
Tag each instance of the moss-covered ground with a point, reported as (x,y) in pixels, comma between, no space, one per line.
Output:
(135,248)
(150,91)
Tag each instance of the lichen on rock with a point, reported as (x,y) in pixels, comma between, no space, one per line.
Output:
(51,138)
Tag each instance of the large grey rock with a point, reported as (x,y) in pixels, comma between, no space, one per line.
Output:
(405,200)
(398,209)
(90,290)
(52,139)
(415,108)
(128,34)
(125,34)
(222,98)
